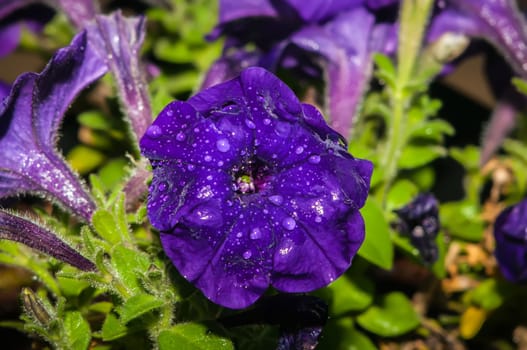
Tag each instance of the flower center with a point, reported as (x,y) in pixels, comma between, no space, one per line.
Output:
(251,176)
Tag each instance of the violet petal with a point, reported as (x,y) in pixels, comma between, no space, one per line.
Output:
(22,230)
(29,121)
(79,12)
(118,42)
(511,243)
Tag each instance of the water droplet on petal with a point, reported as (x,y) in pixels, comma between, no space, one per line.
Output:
(314,159)
(180,136)
(267,121)
(239,234)
(207,158)
(255,233)
(247,254)
(299,150)
(318,219)
(191,167)
(223,145)
(250,124)
(276,199)
(170,112)
(154,131)
(162,186)
(289,223)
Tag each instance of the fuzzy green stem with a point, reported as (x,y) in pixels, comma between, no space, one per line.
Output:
(413,19)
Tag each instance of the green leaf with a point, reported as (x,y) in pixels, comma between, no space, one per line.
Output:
(77,331)
(377,247)
(391,317)
(520,84)
(516,148)
(192,336)
(439,268)
(468,157)
(71,286)
(417,155)
(433,130)
(351,293)
(131,265)
(84,159)
(385,69)
(462,220)
(342,335)
(112,328)
(137,306)
(113,172)
(95,120)
(105,225)
(491,294)
(400,194)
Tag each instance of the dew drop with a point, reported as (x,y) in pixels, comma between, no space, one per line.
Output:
(255,233)
(267,121)
(223,145)
(162,187)
(299,150)
(318,219)
(170,112)
(276,199)
(220,163)
(289,223)
(314,159)
(180,136)
(191,167)
(154,131)
(207,158)
(239,235)
(250,124)
(247,254)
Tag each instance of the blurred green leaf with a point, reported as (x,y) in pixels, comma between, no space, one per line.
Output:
(400,194)
(77,331)
(342,335)
(433,130)
(192,336)
(462,220)
(137,306)
(520,84)
(377,247)
(491,293)
(112,328)
(392,316)
(84,159)
(417,155)
(351,293)
(95,120)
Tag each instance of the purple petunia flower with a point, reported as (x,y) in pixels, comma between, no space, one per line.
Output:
(419,220)
(251,187)
(336,37)
(511,242)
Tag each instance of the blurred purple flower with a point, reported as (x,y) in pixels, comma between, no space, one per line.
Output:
(500,23)
(250,187)
(419,220)
(337,37)
(510,230)
(29,121)
(14,14)
(22,230)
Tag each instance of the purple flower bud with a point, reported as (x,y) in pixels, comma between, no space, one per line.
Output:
(510,230)
(250,187)
(419,220)
(19,229)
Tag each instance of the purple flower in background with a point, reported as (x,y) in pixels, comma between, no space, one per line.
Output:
(500,23)
(511,242)
(419,220)
(29,121)
(337,37)
(250,187)
(22,230)
(33,14)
